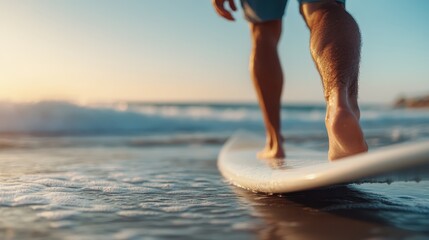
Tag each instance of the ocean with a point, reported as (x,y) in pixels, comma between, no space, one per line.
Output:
(132,170)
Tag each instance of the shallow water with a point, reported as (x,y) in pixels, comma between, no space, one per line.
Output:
(68,190)
(148,171)
(98,193)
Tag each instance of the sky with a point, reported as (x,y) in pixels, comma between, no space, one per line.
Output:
(143,50)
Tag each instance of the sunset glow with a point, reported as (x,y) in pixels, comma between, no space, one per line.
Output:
(156,51)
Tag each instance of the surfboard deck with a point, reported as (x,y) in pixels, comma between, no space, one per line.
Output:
(305,169)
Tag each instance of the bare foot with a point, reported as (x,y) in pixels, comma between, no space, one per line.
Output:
(344,132)
(273,148)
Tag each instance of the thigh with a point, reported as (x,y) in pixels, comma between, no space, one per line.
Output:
(315,1)
(257,11)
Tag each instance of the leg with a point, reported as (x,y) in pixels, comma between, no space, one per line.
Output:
(268,81)
(335,46)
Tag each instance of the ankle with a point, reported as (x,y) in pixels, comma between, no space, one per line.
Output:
(338,103)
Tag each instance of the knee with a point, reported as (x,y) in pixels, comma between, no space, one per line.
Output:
(314,12)
(266,32)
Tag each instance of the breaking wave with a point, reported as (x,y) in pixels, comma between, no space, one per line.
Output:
(59,117)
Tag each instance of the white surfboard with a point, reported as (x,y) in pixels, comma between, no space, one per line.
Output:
(305,169)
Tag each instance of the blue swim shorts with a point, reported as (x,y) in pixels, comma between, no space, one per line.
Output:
(267,10)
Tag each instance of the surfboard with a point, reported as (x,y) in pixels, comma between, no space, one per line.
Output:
(305,169)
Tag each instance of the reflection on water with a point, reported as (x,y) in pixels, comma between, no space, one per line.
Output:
(339,212)
(106,188)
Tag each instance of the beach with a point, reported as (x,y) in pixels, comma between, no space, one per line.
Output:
(131,170)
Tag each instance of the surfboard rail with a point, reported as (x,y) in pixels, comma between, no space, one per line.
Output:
(305,169)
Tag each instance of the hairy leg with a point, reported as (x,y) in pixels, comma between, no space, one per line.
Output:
(335,44)
(267,77)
